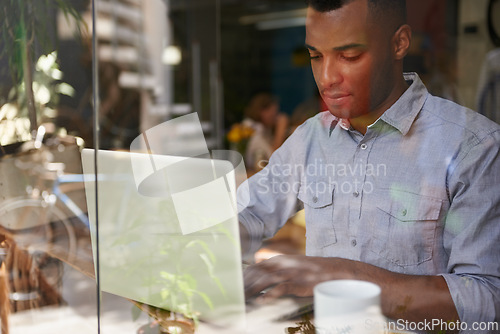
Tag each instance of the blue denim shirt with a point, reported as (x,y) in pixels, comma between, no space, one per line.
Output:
(418,194)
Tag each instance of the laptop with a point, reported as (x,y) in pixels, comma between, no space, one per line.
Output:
(168,235)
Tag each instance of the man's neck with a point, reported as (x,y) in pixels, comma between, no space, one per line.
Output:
(361,123)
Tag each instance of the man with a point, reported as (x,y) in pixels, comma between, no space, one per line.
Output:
(400,188)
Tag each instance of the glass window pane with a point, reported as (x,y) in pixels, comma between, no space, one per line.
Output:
(45,89)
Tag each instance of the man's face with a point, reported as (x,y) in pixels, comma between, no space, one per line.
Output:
(351,63)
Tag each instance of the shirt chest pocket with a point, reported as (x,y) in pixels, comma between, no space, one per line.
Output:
(405,227)
(318,205)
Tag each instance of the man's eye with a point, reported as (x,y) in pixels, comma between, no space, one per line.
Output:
(314,57)
(351,58)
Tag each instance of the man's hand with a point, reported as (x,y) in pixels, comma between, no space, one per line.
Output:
(290,275)
(409,297)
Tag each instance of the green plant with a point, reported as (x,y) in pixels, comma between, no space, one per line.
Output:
(47,88)
(24,33)
(166,272)
(180,288)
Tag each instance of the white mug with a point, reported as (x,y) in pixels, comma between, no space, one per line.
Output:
(348,306)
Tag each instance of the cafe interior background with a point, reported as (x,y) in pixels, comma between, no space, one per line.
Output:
(102,73)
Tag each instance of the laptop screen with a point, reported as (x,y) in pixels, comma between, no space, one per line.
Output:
(168,232)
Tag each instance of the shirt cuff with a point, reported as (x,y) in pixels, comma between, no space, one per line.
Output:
(475,298)
(255,231)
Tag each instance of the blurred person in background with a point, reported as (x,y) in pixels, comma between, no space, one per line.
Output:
(488,92)
(270,129)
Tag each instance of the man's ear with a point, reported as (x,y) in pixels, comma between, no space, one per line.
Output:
(401,41)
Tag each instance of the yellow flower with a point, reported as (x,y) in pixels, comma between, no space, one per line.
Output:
(239,132)
(234,134)
(247,132)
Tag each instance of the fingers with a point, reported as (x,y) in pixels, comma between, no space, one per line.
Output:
(292,275)
(272,274)
(260,276)
(258,279)
(294,288)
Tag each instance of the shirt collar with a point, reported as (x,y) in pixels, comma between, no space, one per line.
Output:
(333,121)
(404,111)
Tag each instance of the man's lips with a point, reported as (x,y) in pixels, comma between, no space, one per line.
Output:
(336,98)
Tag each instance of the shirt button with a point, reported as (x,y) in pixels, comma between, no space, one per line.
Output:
(355,194)
(364,146)
(353,243)
(315,199)
(404,212)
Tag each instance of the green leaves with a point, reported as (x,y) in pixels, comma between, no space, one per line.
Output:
(28,29)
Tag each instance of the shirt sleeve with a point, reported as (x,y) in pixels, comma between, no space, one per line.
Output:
(472,233)
(271,198)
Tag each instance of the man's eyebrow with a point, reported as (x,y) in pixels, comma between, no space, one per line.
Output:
(312,48)
(340,48)
(350,46)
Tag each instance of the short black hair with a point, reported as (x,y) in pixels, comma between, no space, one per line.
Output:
(394,10)
(326,5)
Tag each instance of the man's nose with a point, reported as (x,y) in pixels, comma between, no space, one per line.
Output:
(331,74)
